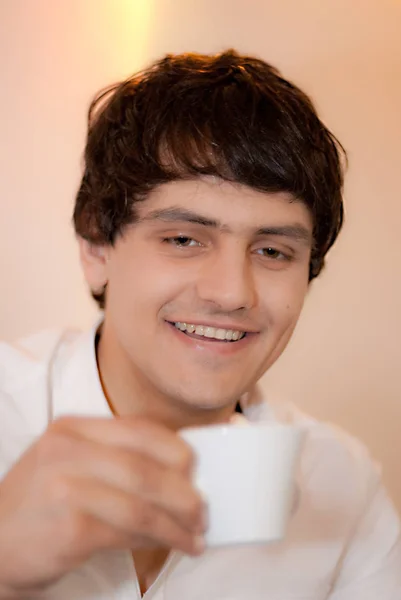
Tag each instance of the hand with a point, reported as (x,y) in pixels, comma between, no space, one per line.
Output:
(92,484)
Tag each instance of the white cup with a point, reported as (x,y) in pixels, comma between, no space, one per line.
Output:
(246,474)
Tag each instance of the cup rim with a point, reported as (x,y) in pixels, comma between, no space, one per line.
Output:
(227,428)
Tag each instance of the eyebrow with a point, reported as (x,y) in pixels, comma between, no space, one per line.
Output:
(296,232)
(179,215)
(174,215)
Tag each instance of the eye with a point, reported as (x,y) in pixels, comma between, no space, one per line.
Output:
(181,241)
(273,253)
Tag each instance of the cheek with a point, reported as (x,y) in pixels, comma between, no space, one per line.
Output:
(143,287)
(283,313)
(284,298)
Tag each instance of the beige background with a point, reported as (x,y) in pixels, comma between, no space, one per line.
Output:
(344,362)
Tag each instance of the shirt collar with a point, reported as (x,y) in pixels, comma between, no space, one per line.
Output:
(76,383)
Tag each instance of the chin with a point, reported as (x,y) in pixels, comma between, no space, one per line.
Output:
(207,399)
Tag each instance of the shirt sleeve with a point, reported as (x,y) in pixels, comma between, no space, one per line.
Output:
(371,566)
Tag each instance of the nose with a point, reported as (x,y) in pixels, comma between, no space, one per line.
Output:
(227,281)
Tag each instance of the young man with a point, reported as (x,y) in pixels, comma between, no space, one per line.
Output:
(210,196)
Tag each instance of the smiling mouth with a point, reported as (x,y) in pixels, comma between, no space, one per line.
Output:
(213,334)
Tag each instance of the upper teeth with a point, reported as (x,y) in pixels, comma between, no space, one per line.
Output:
(211,332)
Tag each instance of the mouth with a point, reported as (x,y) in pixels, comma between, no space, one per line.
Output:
(209,333)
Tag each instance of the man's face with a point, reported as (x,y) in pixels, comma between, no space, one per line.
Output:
(204,291)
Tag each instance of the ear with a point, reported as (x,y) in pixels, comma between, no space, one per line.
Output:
(94,260)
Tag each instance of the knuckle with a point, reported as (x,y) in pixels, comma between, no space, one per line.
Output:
(65,426)
(185,458)
(148,475)
(62,424)
(138,518)
(195,507)
(51,446)
(171,534)
(76,525)
(73,531)
(58,442)
(145,518)
(62,491)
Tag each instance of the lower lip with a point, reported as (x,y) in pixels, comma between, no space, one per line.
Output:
(213,346)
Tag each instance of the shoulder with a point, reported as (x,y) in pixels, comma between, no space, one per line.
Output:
(25,367)
(29,357)
(342,496)
(336,469)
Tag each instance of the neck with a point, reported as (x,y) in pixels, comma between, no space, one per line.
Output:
(129,392)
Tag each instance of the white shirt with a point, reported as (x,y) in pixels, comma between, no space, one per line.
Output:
(343,541)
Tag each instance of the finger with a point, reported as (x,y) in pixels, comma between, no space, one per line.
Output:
(132,518)
(139,475)
(83,534)
(131,472)
(137,434)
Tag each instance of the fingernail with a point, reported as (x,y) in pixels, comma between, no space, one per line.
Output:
(199,544)
(205,517)
(295,501)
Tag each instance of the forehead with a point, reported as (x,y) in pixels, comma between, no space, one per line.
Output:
(235,207)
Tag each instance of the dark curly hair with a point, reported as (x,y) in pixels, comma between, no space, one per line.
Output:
(190,115)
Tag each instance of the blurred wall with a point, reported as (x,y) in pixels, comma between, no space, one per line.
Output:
(343,364)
